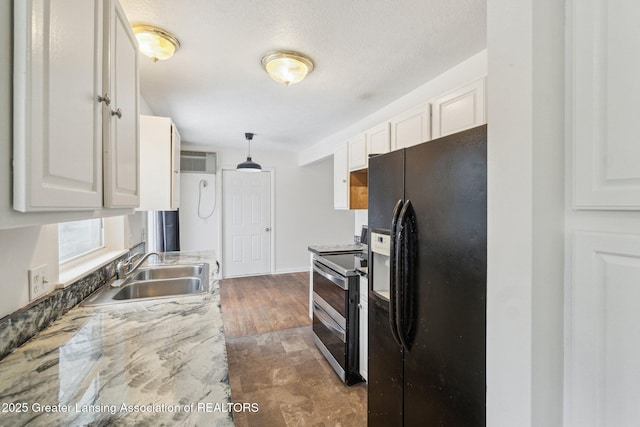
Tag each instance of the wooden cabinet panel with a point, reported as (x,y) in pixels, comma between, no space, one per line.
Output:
(57,117)
(460,109)
(411,127)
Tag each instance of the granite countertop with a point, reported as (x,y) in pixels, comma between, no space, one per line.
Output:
(154,362)
(336,249)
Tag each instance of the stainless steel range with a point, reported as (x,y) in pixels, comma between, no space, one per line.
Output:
(335,318)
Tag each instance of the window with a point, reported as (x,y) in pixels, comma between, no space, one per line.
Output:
(78,238)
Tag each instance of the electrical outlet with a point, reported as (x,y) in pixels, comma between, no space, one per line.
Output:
(37,281)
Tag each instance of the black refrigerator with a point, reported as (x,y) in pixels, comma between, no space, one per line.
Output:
(427,283)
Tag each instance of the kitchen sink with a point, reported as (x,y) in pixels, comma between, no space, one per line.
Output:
(168,272)
(160,288)
(159,281)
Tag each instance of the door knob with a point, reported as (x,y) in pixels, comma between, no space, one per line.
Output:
(267,229)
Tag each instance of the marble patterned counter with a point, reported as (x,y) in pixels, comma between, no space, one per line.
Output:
(154,362)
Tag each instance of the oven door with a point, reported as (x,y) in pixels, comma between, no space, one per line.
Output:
(330,289)
(330,339)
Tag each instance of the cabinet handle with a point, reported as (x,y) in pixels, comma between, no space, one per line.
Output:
(267,229)
(117,112)
(105,98)
(344,180)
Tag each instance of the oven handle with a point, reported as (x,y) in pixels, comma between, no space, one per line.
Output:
(327,321)
(328,274)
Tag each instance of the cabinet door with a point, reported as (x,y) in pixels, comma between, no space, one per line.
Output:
(605,100)
(175,168)
(460,109)
(357,152)
(411,127)
(121,133)
(156,163)
(378,139)
(341,178)
(57,115)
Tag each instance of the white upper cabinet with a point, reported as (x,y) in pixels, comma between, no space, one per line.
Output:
(460,109)
(357,152)
(411,127)
(58,70)
(604,104)
(121,131)
(341,177)
(378,139)
(70,153)
(160,165)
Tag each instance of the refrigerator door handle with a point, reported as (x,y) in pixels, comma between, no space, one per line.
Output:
(405,299)
(393,272)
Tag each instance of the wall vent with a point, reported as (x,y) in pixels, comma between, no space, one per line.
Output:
(197,162)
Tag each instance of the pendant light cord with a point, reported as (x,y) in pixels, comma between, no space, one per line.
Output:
(201,185)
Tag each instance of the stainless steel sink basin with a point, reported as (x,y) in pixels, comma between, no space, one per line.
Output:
(160,288)
(159,281)
(168,272)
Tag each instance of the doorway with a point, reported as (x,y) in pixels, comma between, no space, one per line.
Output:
(246,223)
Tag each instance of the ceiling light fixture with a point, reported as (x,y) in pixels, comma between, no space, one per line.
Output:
(249,165)
(287,66)
(155,42)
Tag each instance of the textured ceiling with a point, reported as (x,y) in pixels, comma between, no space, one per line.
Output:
(367,53)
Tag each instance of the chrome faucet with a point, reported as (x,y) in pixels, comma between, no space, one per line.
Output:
(124,269)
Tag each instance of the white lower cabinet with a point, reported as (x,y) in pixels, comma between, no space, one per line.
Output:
(460,109)
(363,320)
(160,164)
(75,106)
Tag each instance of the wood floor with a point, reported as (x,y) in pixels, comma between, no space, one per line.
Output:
(273,361)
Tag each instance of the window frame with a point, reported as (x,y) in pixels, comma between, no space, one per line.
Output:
(113,247)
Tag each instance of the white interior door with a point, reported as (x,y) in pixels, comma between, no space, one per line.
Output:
(246,223)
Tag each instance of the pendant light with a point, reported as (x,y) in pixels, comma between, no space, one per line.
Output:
(249,165)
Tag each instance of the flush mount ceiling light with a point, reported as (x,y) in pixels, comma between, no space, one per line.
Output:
(249,165)
(154,42)
(287,66)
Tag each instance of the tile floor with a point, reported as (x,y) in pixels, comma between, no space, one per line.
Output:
(280,369)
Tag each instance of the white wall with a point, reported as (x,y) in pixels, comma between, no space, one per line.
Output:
(28,247)
(303,198)
(198,233)
(463,73)
(525,217)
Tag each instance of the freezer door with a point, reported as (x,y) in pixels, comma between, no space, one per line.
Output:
(444,370)
(386,188)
